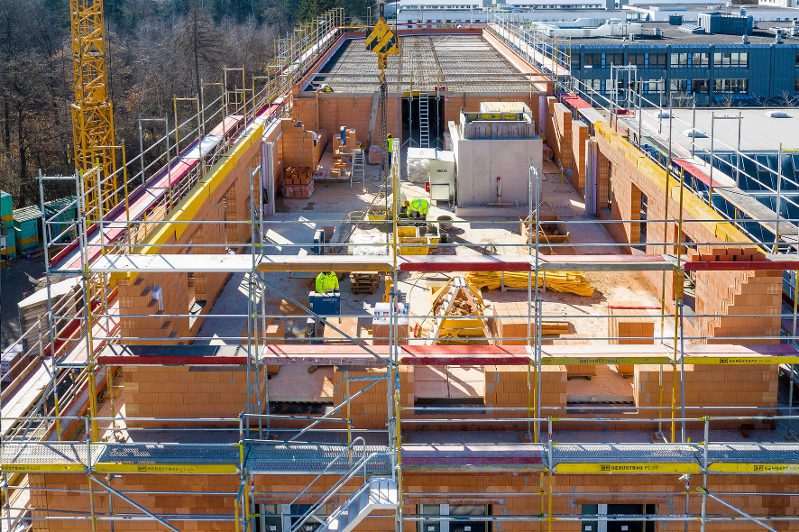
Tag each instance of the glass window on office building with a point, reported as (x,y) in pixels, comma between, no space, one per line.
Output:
(657,60)
(700,59)
(679,85)
(679,59)
(699,86)
(637,59)
(614,59)
(592,60)
(654,85)
(731,86)
(593,85)
(731,59)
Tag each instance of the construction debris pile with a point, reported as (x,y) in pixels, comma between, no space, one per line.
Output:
(570,282)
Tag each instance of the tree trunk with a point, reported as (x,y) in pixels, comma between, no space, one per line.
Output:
(6,125)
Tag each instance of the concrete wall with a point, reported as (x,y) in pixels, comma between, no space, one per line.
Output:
(480,162)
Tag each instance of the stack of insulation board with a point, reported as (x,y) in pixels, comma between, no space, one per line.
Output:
(8,246)
(298,183)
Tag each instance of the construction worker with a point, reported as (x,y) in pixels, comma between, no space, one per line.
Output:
(326,282)
(418,208)
(390,148)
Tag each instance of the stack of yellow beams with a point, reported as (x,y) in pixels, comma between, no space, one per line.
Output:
(568,281)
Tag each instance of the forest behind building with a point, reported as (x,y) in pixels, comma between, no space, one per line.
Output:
(157,49)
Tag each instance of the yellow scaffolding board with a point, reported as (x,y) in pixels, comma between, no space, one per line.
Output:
(623,468)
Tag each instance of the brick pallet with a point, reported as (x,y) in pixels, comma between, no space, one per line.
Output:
(298,183)
(364,282)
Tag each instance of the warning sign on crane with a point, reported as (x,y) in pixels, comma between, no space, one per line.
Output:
(381,40)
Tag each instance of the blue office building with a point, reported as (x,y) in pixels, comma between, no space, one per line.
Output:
(759,66)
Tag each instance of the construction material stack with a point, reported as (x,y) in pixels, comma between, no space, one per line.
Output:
(26,229)
(459,314)
(342,155)
(364,282)
(570,282)
(8,247)
(298,183)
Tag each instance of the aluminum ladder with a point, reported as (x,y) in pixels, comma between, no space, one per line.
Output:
(358,173)
(424,121)
(377,493)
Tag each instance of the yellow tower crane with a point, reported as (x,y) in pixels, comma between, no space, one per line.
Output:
(92,112)
(383,41)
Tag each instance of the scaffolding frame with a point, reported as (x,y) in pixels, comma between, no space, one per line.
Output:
(254,424)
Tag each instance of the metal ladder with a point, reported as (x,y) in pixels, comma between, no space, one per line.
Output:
(358,173)
(424,121)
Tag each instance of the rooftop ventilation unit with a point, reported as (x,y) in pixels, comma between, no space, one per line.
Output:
(718,23)
(777,114)
(692,28)
(695,133)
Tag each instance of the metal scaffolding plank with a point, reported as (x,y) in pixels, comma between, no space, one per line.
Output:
(442,355)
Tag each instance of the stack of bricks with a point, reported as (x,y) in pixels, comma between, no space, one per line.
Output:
(298,183)
(302,147)
(342,150)
(737,304)
(630,325)
(579,138)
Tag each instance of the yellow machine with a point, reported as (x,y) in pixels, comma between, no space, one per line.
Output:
(384,42)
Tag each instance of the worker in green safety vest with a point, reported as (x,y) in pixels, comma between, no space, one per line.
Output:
(418,208)
(390,144)
(326,282)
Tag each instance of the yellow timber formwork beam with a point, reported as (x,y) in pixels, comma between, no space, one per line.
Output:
(186,211)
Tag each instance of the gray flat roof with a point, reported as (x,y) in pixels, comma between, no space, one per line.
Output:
(759,132)
(462,63)
(672,35)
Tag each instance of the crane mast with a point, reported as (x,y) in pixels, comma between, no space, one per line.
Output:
(92,111)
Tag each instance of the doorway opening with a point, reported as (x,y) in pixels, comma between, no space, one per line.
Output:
(423,124)
(612,518)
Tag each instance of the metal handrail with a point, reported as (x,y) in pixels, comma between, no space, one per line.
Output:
(335,489)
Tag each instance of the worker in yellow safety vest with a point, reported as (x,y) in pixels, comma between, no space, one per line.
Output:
(326,282)
(419,208)
(390,144)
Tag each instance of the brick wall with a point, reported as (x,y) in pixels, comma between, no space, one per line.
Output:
(179,391)
(579,138)
(227,201)
(728,294)
(508,494)
(709,386)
